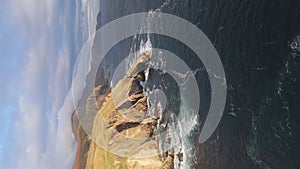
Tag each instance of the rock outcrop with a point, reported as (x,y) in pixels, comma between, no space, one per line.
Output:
(123,132)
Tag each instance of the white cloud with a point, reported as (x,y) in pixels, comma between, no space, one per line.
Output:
(34,15)
(41,136)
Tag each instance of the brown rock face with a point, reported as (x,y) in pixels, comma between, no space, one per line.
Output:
(123,133)
(83,145)
(83,140)
(169,162)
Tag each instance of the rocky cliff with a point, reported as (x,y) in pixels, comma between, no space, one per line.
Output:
(123,132)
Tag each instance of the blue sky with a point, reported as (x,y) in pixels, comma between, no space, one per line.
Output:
(39,43)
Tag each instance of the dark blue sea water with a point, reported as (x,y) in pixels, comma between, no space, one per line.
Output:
(258,42)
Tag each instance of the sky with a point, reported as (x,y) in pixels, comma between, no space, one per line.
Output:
(39,43)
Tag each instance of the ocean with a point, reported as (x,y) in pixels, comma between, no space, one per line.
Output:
(258,42)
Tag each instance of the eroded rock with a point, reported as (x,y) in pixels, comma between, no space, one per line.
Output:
(123,125)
